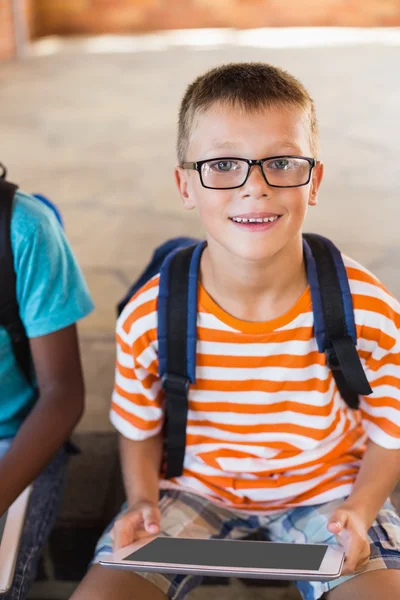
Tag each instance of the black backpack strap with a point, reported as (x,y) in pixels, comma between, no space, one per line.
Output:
(9,310)
(334,317)
(177,313)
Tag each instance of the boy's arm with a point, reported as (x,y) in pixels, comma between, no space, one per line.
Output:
(59,407)
(377,478)
(380,411)
(141,461)
(351,520)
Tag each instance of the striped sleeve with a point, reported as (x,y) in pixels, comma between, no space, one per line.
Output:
(377,315)
(137,410)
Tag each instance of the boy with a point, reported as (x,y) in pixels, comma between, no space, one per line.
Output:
(36,420)
(270,443)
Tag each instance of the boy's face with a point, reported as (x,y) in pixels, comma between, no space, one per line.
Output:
(224,131)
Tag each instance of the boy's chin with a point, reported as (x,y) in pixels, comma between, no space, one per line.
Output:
(256,253)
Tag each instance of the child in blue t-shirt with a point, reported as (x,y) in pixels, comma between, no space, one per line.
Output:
(36,421)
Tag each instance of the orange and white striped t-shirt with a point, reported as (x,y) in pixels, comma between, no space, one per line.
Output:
(267,429)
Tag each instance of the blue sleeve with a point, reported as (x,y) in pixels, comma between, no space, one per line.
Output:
(51,290)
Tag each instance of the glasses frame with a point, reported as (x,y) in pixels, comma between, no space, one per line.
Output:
(196,166)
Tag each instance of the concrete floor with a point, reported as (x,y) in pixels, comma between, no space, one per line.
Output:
(96,132)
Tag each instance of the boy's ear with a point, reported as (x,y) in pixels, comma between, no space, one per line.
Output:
(183,183)
(318,173)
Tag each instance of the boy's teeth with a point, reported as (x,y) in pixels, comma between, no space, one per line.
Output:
(252,220)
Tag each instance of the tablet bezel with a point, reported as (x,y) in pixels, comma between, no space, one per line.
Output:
(330,567)
(11,539)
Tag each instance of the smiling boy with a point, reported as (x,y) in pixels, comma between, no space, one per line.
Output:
(270,443)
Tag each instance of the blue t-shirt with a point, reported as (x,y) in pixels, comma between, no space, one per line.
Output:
(51,293)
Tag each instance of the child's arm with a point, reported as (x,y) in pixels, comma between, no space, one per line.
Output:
(351,520)
(380,413)
(137,412)
(377,478)
(379,340)
(59,407)
(141,461)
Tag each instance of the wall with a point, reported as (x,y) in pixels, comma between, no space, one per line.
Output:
(95,16)
(46,17)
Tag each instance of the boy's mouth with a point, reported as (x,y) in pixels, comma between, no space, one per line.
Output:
(255,221)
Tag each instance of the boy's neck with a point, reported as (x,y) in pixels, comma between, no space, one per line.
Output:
(255,291)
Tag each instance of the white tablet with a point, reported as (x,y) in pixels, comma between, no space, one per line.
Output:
(230,558)
(11,524)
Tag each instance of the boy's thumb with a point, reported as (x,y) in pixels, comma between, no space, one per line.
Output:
(151,519)
(336,522)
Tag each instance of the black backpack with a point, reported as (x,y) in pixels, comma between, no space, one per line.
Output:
(9,309)
(177,261)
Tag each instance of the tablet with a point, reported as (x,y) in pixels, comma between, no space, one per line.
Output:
(11,524)
(230,558)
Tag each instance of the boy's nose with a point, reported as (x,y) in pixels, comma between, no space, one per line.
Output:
(256,185)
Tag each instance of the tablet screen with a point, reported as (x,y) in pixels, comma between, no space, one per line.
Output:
(230,553)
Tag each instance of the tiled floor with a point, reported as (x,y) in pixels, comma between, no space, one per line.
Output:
(96,132)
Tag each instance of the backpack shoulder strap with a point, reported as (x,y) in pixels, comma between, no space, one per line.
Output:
(177,324)
(9,310)
(334,325)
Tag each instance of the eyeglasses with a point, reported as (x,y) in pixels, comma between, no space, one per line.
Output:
(228,173)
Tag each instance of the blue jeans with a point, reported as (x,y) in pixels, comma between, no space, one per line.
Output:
(39,520)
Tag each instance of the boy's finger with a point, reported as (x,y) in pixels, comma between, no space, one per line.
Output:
(362,564)
(354,555)
(125,530)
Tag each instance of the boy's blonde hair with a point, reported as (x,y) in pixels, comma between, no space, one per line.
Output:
(250,86)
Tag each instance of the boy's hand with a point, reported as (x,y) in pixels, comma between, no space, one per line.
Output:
(139,521)
(351,532)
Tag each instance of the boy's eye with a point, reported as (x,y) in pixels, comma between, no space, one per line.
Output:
(282,164)
(224,166)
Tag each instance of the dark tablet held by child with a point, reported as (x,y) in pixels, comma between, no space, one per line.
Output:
(230,558)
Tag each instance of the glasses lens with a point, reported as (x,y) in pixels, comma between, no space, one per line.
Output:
(224,173)
(286,171)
